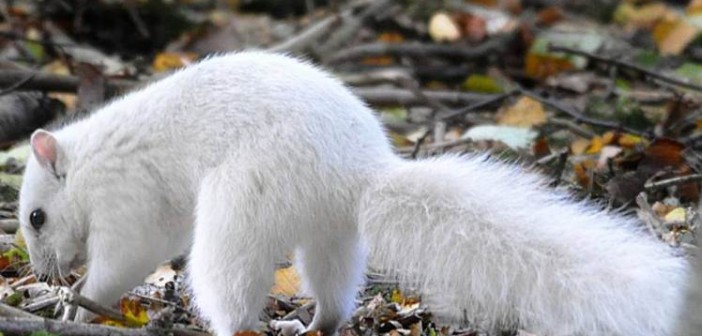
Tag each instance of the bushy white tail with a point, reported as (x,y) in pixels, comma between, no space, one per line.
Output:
(487,243)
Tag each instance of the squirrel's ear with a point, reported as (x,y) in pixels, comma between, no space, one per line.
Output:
(45,149)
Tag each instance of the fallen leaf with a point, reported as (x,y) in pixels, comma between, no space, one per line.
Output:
(672,37)
(287,282)
(482,84)
(514,137)
(675,216)
(582,172)
(694,7)
(541,66)
(171,60)
(133,312)
(630,141)
(549,15)
(526,112)
(396,296)
(643,16)
(473,27)
(579,146)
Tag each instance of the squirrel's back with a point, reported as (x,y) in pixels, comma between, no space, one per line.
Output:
(242,103)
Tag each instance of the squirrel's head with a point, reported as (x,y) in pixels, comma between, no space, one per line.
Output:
(48,210)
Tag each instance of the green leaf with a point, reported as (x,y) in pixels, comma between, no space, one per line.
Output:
(15,299)
(16,254)
(482,84)
(691,71)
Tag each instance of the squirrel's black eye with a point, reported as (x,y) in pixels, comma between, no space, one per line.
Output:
(37,218)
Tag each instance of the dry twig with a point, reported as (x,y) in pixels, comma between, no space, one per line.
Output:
(423,50)
(673,181)
(624,64)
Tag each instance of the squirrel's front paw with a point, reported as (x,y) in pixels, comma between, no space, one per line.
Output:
(288,328)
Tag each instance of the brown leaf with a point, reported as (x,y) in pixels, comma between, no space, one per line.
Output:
(541,148)
(549,15)
(541,66)
(663,152)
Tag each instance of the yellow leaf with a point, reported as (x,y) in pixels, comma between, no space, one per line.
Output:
(169,60)
(673,36)
(527,112)
(629,140)
(694,7)
(642,16)
(579,146)
(133,312)
(396,296)
(676,215)
(596,145)
(287,282)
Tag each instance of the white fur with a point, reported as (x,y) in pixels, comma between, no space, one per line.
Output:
(279,156)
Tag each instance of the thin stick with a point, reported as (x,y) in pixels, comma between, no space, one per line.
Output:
(374,96)
(13,87)
(579,117)
(69,296)
(624,64)
(417,145)
(25,326)
(673,181)
(307,36)
(488,101)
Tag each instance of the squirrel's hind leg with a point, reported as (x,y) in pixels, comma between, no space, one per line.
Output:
(332,266)
(235,245)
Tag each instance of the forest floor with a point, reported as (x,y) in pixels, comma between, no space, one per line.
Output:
(604,97)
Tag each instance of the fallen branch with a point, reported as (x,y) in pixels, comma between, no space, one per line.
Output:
(302,40)
(23,112)
(373,96)
(400,97)
(624,64)
(25,327)
(41,81)
(484,103)
(9,311)
(350,25)
(423,50)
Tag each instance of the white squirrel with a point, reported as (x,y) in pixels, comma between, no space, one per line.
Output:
(250,155)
